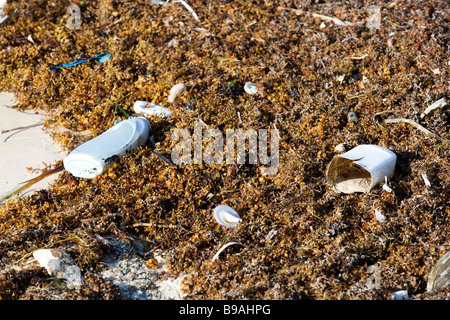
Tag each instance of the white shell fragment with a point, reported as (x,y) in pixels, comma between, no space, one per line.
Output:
(151,109)
(340,148)
(59,264)
(224,247)
(227,216)
(380,217)
(176,92)
(425,179)
(250,88)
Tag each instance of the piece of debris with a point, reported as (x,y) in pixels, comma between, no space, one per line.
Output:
(361,168)
(440,103)
(401,295)
(352,117)
(340,148)
(227,216)
(176,91)
(99,154)
(151,109)
(379,216)
(250,88)
(59,264)
(416,125)
(385,186)
(103,57)
(425,179)
(224,247)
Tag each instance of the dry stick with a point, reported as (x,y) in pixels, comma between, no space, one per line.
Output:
(35,180)
(440,103)
(320,16)
(414,124)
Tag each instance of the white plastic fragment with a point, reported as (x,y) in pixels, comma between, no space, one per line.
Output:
(99,154)
(29,38)
(401,295)
(340,148)
(224,247)
(59,264)
(226,216)
(250,88)
(176,91)
(380,217)
(340,78)
(361,168)
(425,178)
(151,109)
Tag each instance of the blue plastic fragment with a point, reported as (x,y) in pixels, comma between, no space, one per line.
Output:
(103,57)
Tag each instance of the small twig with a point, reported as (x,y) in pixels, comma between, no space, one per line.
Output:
(24,127)
(336,21)
(414,124)
(166,160)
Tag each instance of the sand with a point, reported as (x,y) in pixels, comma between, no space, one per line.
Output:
(24,153)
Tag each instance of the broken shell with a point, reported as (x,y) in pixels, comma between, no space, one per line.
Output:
(340,148)
(151,109)
(59,264)
(227,216)
(250,88)
(176,92)
(224,247)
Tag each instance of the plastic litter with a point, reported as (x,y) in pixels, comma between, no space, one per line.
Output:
(401,295)
(97,155)
(151,109)
(361,168)
(103,57)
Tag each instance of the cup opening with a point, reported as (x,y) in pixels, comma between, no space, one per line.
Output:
(348,177)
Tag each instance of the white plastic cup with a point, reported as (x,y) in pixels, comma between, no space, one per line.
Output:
(97,155)
(361,168)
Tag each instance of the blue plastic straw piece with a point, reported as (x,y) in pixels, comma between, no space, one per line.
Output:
(103,57)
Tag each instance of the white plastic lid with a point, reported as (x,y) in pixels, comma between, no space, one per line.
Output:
(97,155)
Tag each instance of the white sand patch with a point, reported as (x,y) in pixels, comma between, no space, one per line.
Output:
(23,149)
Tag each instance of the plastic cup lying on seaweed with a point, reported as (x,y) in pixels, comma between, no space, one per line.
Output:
(151,109)
(226,216)
(361,168)
(97,155)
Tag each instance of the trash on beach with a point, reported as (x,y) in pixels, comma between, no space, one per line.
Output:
(361,168)
(439,277)
(176,91)
(226,216)
(97,155)
(103,57)
(401,295)
(151,109)
(59,264)
(250,88)
(224,247)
